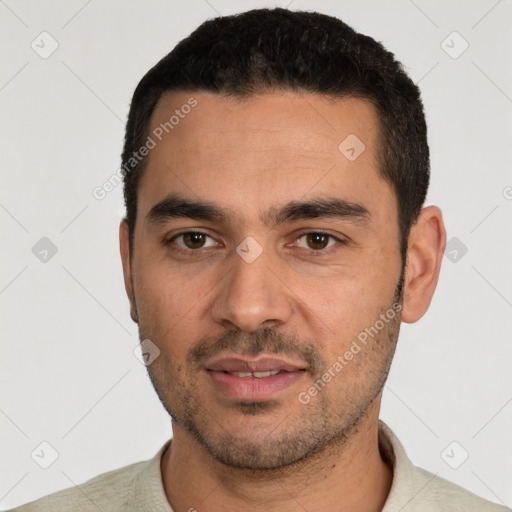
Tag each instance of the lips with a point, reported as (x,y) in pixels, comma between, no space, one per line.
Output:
(242,365)
(257,379)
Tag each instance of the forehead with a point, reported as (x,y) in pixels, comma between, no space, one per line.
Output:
(318,122)
(263,149)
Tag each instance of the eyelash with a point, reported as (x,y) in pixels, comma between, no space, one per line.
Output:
(313,252)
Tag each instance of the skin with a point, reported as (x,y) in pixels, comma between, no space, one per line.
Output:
(301,303)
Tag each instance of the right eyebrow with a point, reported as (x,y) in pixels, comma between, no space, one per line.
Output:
(175,206)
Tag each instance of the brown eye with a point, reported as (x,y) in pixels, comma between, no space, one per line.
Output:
(193,240)
(316,241)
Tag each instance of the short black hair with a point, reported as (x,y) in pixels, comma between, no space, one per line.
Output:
(265,50)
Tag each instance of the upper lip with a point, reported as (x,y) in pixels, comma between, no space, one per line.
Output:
(242,364)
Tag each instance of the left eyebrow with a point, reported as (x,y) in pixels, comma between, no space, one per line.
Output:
(333,208)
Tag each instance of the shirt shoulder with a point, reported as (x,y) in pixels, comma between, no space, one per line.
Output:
(416,490)
(134,487)
(107,491)
(438,494)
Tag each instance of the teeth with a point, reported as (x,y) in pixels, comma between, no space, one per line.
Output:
(258,375)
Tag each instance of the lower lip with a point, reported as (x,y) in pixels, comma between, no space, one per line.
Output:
(251,388)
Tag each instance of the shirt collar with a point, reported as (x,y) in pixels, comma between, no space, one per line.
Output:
(148,493)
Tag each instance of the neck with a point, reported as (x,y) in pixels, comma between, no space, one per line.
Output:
(346,476)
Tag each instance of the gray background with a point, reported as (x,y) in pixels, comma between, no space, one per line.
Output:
(69,376)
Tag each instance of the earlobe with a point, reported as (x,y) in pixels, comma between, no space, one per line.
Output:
(427,241)
(124,246)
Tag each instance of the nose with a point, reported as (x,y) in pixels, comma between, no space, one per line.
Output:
(251,296)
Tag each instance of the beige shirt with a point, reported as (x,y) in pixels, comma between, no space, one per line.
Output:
(139,488)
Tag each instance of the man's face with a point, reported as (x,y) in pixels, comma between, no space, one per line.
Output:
(295,257)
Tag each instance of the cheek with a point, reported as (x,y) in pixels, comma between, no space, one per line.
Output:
(163,303)
(351,298)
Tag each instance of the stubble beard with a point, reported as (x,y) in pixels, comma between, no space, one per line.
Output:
(326,422)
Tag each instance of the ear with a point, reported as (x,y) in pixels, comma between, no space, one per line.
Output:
(124,245)
(427,241)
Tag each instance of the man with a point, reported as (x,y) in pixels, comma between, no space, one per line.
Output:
(276,166)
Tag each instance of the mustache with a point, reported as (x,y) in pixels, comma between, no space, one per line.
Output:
(268,341)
